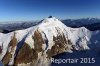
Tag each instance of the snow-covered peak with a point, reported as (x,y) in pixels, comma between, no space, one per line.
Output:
(46,39)
(49,23)
(52,19)
(52,27)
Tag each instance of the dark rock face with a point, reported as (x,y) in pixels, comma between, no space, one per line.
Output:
(26,55)
(0,49)
(60,46)
(38,41)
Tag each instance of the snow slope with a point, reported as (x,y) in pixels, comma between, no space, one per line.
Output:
(53,27)
(4,42)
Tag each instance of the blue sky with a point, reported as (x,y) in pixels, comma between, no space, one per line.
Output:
(23,10)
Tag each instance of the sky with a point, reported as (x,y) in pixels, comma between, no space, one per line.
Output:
(24,10)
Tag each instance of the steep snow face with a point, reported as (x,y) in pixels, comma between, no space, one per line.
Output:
(80,37)
(53,27)
(50,27)
(4,42)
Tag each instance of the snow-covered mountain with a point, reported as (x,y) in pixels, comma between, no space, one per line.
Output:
(35,46)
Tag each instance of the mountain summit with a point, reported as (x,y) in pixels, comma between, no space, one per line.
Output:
(36,45)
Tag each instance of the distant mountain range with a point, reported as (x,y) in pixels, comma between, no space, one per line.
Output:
(9,27)
(81,21)
(90,23)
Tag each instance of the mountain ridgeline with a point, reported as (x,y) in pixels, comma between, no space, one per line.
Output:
(90,23)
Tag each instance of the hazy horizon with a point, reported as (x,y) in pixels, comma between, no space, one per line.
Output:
(28,10)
